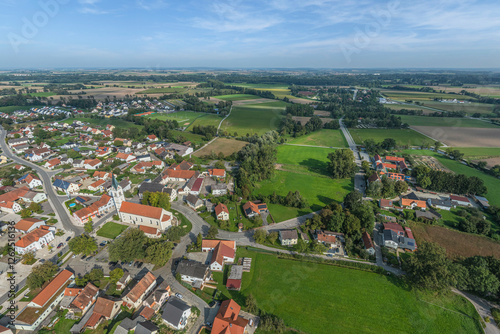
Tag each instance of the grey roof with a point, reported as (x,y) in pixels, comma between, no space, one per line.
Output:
(412,196)
(151,187)
(193,199)
(440,202)
(236,272)
(289,234)
(146,327)
(128,324)
(192,269)
(173,310)
(220,186)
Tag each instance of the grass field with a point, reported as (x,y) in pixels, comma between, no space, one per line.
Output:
(222,145)
(42,94)
(237,97)
(402,136)
(318,298)
(10,109)
(402,96)
(164,90)
(324,137)
(445,122)
(111,230)
(491,182)
(182,117)
(310,160)
(254,118)
(404,106)
(192,137)
(208,119)
(469,108)
(103,122)
(479,152)
(318,190)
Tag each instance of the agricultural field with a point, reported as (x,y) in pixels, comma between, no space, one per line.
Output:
(206,120)
(465,137)
(164,90)
(183,117)
(316,189)
(456,122)
(401,95)
(103,122)
(479,152)
(491,182)
(324,137)
(222,145)
(309,160)
(469,108)
(254,118)
(42,94)
(491,91)
(237,97)
(402,136)
(295,291)
(457,244)
(405,106)
(192,137)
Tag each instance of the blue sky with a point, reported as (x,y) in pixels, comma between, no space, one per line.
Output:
(232,33)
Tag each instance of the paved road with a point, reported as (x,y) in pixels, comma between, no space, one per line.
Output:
(483,307)
(59,210)
(359,178)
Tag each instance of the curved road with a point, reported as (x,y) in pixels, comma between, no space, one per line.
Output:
(59,210)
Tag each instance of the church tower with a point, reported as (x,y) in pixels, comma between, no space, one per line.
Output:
(117,193)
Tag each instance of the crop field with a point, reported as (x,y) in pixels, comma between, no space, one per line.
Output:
(492,91)
(316,298)
(457,122)
(469,108)
(318,190)
(401,95)
(42,94)
(465,137)
(103,122)
(254,118)
(402,136)
(479,152)
(206,120)
(237,97)
(222,145)
(182,117)
(324,137)
(457,244)
(164,90)
(491,182)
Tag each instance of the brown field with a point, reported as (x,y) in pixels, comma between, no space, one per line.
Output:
(457,244)
(322,113)
(491,161)
(463,137)
(224,145)
(481,90)
(302,101)
(425,111)
(303,120)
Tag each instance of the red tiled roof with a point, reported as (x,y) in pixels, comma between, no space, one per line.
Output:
(184,165)
(409,202)
(367,240)
(147,312)
(389,158)
(221,208)
(92,162)
(233,284)
(14,195)
(97,183)
(48,292)
(217,172)
(140,288)
(221,251)
(141,210)
(390,166)
(54,162)
(179,174)
(324,236)
(104,307)
(72,291)
(393,226)
(227,319)
(94,319)
(85,297)
(26,223)
(210,243)
(197,184)
(148,229)
(459,198)
(385,203)
(31,237)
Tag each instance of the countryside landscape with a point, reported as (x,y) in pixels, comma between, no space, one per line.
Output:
(265,167)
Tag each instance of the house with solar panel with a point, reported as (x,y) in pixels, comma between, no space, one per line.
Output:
(253,209)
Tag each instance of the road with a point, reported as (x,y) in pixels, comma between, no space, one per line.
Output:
(359,178)
(59,210)
(483,307)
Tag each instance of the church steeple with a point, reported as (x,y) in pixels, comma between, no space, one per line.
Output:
(116,192)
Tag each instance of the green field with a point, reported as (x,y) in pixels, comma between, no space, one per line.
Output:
(404,106)
(206,120)
(309,160)
(163,90)
(458,122)
(182,117)
(324,137)
(42,94)
(317,190)
(254,118)
(318,298)
(402,136)
(413,95)
(469,108)
(111,230)
(192,137)
(262,86)
(10,109)
(104,121)
(237,97)
(479,152)
(491,182)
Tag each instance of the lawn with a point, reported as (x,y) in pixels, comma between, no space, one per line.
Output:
(237,97)
(491,182)
(254,118)
(222,145)
(236,216)
(324,137)
(184,222)
(402,136)
(317,190)
(479,152)
(104,121)
(445,121)
(111,230)
(302,159)
(192,137)
(183,117)
(317,298)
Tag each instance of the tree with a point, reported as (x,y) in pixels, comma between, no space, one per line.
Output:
(353,200)
(174,233)
(41,274)
(366,166)
(88,227)
(342,165)
(260,236)
(366,216)
(212,232)
(29,258)
(429,267)
(400,186)
(159,253)
(251,304)
(25,213)
(425,182)
(301,246)
(35,207)
(199,240)
(437,145)
(115,275)
(129,247)
(272,237)
(118,143)
(96,274)
(83,244)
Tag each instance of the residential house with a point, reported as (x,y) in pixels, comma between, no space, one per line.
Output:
(85,299)
(103,151)
(125,157)
(328,238)
(142,167)
(217,173)
(178,175)
(34,240)
(105,308)
(219,189)
(194,273)
(223,251)
(398,229)
(65,186)
(38,309)
(97,185)
(27,225)
(194,186)
(181,150)
(288,237)
(32,196)
(139,214)
(411,203)
(228,319)
(253,209)
(234,279)
(139,292)
(442,204)
(92,163)
(31,180)
(221,212)
(51,164)
(373,178)
(156,299)
(78,163)
(367,241)
(460,200)
(103,205)
(194,201)
(151,138)
(176,313)
(184,165)
(124,280)
(100,175)
(385,204)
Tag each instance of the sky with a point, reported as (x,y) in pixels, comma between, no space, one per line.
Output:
(155,34)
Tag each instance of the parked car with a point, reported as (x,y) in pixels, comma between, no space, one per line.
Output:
(178,295)
(68,239)
(83,257)
(88,259)
(102,244)
(60,245)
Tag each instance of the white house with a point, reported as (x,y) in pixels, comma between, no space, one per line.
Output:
(176,313)
(10,207)
(194,273)
(92,164)
(140,291)
(221,212)
(27,225)
(139,214)
(288,237)
(34,240)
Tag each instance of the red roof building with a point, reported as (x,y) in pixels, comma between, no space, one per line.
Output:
(228,320)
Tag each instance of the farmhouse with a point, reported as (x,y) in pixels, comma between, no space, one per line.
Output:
(218,173)
(367,241)
(411,203)
(194,186)
(460,200)
(139,214)
(219,189)
(442,204)
(178,175)
(194,201)
(288,237)
(223,251)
